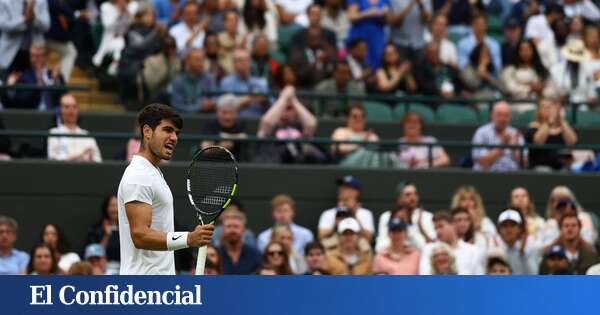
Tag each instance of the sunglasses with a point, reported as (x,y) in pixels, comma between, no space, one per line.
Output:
(275,253)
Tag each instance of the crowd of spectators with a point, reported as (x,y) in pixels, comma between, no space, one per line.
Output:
(409,240)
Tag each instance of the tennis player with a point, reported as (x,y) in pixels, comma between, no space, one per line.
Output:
(145,202)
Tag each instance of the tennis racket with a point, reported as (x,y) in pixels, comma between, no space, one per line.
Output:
(211,183)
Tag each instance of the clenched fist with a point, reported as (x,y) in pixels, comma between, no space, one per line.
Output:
(201,235)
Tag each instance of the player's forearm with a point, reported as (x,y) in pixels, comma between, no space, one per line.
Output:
(149,239)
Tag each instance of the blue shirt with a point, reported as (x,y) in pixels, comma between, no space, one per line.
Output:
(302,236)
(164,9)
(249,262)
(188,92)
(14,263)
(467,44)
(250,84)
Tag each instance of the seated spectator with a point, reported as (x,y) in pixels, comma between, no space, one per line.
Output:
(226,125)
(438,34)
(335,19)
(341,84)
(190,31)
(116,16)
(398,258)
(395,76)
(591,41)
(283,234)
(96,256)
(81,268)
(266,270)
(549,127)
(54,236)
(283,210)
(469,258)
(213,61)
(58,37)
(263,64)
(556,262)
(12,260)
(349,189)
(408,22)
(521,201)
(313,13)
(190,87)
(527,76)
(524,9)
(442,260)
(549,32)
(288,119)
(242,81)
(230,39)
(478,37)
(563,201)
(260,19)
(314,252)
(159,70)
(347,258)
(498,266)
(106,233)
(420,224)
(357,61)
(67,148)
(523,254)
(43,261)
(368,20)
(418,156)
(38,75)
(551,50)
(356,124)
(234,206)
(498,131)
(315,61)
(238,258)
(467,197)
(214,264)
(277,257)
(465,229)
(435,77)
(581,254)
(512,38)
(480,74)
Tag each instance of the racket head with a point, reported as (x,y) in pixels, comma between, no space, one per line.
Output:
(211,182)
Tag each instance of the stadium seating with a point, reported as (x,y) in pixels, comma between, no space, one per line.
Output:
(456,114)
(377,111)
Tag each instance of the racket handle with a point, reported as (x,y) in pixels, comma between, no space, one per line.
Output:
(201,260)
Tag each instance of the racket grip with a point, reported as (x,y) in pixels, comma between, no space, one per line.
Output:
(201,260)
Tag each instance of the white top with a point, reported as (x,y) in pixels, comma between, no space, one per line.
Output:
(62,148)
(414,235)
(538,27)
(584,8)
(448,51)
(364,217)
(297,8)
(67,260)
(406,153)
(144,182)
(561,82)
(552,231)
(181,33)
(470,260)
(525,262)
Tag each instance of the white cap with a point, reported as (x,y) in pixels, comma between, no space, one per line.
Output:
(510,214)
(348,224)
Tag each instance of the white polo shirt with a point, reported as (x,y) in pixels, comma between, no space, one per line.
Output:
(144,182)
(470,260)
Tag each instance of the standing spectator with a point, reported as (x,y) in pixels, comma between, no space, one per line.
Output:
(469,198)
(231,39)
(368,22)
(226,125)
(539,27)
(277,257)
(168,12)
(418,156)
(242,81)
(438,34)
(58,37)
(512,38)
(408,21)
(398,258)
(420,221)
(584,9)
(263,64)
(395,76)
(563,201)
(95,255)
(347,258)
(315,258)
(12,260)
(436,78)
(480,74)
(356,129)
(523,253)
(43,261)
(498,131)
(283,210)
(335,19)
(106,233)
(190,32)
(260,18)
(71,149)
(341,84)
(469,258)
(526,77)
(238,258)
(313,61)
(21,24)
(159,70)
(213,62)
(498,266)
(466,231)
(581,254)
(443,261)
(556,262)
(549,127)
(522,202)
(54,237)
(283,234)
(86,14)
(191,86)
(478,37)
(38,74)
